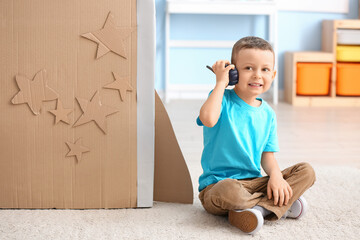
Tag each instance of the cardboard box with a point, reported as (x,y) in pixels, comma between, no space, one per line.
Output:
(313,78)
(68,72)
(78,108)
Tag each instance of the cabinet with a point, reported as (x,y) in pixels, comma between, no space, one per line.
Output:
(342,88)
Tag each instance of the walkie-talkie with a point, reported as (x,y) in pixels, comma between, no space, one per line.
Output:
(233,75)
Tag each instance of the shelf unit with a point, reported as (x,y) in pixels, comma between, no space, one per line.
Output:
(291,60)
(225,7)
(328,54)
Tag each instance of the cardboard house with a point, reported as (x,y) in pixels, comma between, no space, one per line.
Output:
(77,109)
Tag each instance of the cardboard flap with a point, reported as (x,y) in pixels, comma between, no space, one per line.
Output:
(172,181)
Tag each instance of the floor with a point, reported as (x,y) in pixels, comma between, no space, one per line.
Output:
(328,138)
(318,135)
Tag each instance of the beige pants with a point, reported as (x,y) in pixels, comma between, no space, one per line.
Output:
(229,194)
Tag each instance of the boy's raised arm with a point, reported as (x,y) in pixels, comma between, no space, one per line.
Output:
(210,110)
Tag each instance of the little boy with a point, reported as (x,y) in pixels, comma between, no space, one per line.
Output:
(240,134)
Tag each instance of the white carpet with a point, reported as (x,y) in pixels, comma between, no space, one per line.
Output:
(334,214)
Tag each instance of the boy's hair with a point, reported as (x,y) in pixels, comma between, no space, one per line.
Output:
(250,43)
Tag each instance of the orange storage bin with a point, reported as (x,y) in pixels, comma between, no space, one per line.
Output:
(313,78)
(348,79)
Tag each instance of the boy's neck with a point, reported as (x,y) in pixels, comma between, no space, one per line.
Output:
(249,99)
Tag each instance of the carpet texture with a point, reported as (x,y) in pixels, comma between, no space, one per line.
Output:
(334,214)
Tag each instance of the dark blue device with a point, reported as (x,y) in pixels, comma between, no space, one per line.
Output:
(233,75)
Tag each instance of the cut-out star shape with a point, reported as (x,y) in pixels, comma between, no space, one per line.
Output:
(94,110)
(76,149)
(61,113)
(109,38)
(34,92)
(121,84)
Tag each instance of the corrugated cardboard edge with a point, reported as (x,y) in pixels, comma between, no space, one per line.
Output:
(172,181)
(145,102)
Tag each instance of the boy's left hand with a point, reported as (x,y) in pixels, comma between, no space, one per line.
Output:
(279,189)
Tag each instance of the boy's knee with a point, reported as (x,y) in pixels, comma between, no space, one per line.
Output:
(230,194)
(225,189)
(307,171)
(219,197)
(230,189)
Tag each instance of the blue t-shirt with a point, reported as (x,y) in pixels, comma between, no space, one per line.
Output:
(233,147)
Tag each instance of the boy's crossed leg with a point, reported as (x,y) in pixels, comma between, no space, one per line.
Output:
(232,194)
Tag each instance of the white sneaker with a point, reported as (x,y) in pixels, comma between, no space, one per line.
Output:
(249,221)
(298,209)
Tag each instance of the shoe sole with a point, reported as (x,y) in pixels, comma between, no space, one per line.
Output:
(246,221)
(303,204)
(303,209)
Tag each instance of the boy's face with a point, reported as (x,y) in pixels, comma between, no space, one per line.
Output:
(256,71)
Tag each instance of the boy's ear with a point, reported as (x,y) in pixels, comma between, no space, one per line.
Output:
(274,74)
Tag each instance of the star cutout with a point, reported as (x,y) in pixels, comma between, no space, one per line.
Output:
(109,38)
(61,113)
(76,149)
(33,92)
(94,110)
(120,84)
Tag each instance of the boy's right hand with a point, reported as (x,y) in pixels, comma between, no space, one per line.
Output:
(222,72)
